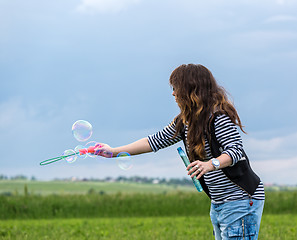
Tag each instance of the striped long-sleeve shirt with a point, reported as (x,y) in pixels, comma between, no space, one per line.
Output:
(220,187)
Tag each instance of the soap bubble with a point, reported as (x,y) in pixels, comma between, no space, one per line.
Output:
(82,130)
(124,161)
(79,147)
(72,158)
(91,144)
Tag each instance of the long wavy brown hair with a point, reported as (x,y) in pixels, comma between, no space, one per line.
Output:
(199,97)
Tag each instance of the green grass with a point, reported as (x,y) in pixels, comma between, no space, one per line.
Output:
(95,205)
(280,227)
(17,187)
(110,228)
(69,210)
(126,205)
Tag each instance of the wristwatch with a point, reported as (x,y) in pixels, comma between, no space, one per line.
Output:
(216,163)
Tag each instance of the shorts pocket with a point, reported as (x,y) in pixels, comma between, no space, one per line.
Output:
(242,230)
(235,232)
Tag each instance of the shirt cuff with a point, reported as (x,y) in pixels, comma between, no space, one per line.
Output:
(235,154)
(151,143)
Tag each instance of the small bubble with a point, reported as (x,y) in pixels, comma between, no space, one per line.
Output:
(124,161)
(91,144)
(77,148)
(71,156)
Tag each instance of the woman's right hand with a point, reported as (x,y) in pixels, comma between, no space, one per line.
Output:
(104,150)
(138,147)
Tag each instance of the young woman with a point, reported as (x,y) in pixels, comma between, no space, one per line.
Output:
(236,192)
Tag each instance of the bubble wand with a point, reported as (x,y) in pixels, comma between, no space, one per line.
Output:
(187,162)
(82,131)
(80,152)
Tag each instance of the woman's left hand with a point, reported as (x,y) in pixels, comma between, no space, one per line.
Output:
(198,168)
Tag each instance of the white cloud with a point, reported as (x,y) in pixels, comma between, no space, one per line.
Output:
(31,129)
(17,113)
(281,18)
(14,115)
(272,148)
(263,39)
(285,2)
(273,159)
(102,6)
(280,171)
(9,111)
(280,2)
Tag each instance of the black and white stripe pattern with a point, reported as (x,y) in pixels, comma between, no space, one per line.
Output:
(164,138)
(220,187)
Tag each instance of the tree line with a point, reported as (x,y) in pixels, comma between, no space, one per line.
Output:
(134,179)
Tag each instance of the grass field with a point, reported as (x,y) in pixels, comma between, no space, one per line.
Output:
(68,187)
(95,205)
(274,227)
(67,210)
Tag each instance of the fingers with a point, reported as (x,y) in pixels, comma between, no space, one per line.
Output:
(99,145)
(201,173)
(196,168)
(99,148)
(195,171)
(103,150)
(192,164)
(107,154)
(199,168)
(103,153)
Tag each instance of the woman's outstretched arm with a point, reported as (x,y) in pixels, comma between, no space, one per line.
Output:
(138,147)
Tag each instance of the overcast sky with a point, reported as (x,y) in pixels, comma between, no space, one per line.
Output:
(109,61)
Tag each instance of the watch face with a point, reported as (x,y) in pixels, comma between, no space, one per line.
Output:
(216,163)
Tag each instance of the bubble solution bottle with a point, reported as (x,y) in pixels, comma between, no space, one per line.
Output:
(187,162)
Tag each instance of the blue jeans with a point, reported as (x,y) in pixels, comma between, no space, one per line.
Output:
(237,220)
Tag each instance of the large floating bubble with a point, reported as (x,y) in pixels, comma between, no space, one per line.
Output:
(124,161)
(82,130)
(72,158)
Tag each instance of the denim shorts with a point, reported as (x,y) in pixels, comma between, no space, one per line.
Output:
(236,220)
